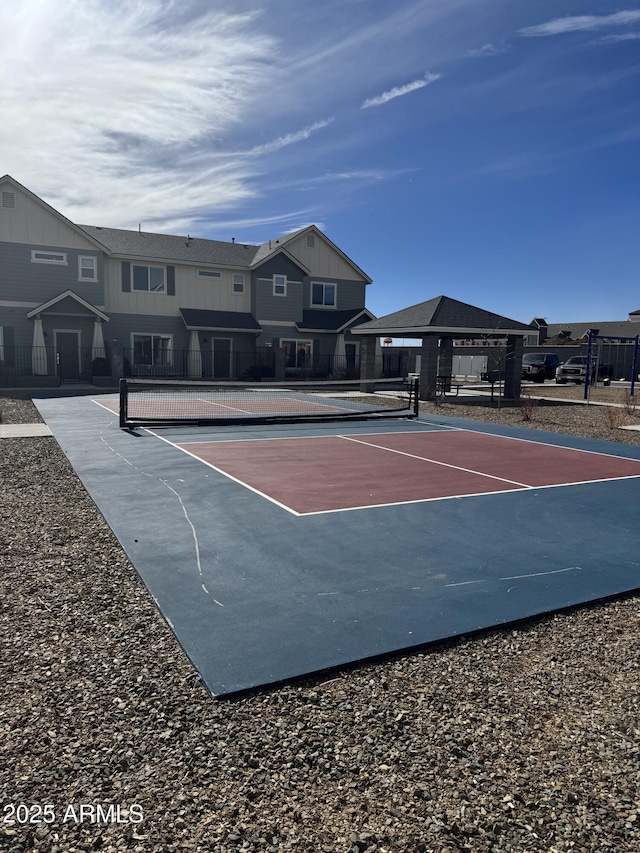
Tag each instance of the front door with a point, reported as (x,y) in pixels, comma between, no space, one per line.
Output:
(221,358)
(68,350)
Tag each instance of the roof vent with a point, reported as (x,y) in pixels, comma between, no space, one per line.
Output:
(8,200)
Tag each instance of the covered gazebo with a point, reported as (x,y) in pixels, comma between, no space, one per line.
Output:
(438,322)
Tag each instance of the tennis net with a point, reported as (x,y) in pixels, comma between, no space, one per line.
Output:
(165,403)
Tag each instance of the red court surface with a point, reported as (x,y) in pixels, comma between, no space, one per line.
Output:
(331,473)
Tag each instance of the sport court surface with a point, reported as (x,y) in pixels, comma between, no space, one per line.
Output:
(283,550)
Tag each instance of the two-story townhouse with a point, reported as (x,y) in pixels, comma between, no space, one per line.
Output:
(73,295)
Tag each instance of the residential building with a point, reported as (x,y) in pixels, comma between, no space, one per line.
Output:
(75,297)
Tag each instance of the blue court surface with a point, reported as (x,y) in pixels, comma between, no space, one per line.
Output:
(280,551)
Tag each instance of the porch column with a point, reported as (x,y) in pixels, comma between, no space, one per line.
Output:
(513,367)
(97,346)
(429,367)
(195,356)
(39,352)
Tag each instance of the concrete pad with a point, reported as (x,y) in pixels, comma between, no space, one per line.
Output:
(24,430)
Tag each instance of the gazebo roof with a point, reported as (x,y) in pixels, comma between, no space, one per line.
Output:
(444,315)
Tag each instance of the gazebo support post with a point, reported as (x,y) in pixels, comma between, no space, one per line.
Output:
(445,359)
(367,363)
(429,367)
(513,367)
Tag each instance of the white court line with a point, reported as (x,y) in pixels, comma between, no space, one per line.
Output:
(224,473)
(436,462)
(547,444)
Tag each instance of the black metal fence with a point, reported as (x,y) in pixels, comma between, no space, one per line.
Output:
(83,365)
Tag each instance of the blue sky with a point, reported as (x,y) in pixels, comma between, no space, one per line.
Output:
(482,149)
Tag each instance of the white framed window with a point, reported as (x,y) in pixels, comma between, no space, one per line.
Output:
(297,353)
(311,241)
(87,268)
(238,282)
(279,285)
(151,350)
(148,278)
(323,295)
(208,274)
(40,257)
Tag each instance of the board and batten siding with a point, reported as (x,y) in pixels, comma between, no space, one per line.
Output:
(23,280)
(191,291)
(30,222)
(323,260)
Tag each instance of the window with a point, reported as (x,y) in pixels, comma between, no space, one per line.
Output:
(152,350)
(323,294)
(311,241)
(87,268)
(297,354)
(279,285)
(48,257)
(8,200)
(148,278)
(208,274)
(238,283)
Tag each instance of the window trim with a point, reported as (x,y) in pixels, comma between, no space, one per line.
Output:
(308,345)
(239,275)
(275,284)
(152,335)
(323,305)
(93,258)
(209,274)
(149,267)
(36,260)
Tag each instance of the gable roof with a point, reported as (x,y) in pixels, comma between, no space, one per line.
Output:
(68,294)
(443,314)
(604,328)
(265,250)
(77,228)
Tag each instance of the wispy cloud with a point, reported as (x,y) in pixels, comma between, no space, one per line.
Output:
(129,92)
(577,23)
(400,91)
(611,39)
(487,50)
(289,139)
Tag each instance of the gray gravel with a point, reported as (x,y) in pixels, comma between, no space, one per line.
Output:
(524,739)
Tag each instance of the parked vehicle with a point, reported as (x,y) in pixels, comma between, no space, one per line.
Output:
(538,366)
(575,369)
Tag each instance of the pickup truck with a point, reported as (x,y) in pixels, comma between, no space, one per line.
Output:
(538,366)
(575,368)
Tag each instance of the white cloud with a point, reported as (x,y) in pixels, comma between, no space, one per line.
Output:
(617,37)
(486,50)
(399,91)
(290,138)
(582,22)
(107,104)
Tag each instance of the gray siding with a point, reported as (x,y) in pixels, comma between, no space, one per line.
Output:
(120,327)
(15,319)
(24,281)
(287,309)
(349,294)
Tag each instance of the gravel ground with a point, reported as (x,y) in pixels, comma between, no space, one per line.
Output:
(524,739)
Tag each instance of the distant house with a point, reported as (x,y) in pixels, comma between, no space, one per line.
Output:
(73,295)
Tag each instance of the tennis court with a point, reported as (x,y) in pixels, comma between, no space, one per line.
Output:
(279,550)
